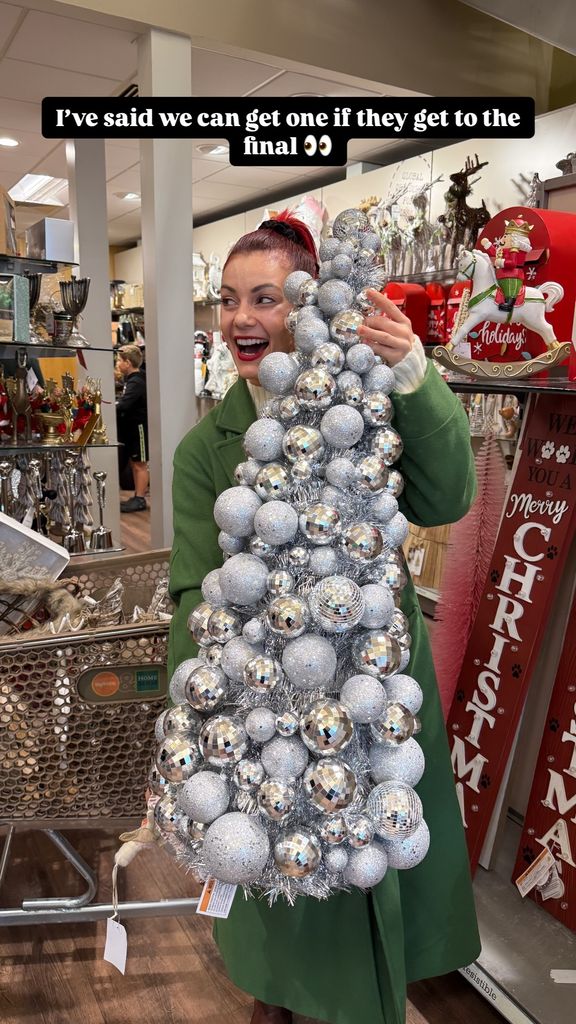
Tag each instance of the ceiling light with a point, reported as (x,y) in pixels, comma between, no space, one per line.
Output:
(128,195)
(6,141)
(40,188)
(297,94)
(211,150)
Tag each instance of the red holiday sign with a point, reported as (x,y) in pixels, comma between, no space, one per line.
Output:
(551,816)
(534,537)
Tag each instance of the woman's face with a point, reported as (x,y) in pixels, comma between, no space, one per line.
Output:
(254,309)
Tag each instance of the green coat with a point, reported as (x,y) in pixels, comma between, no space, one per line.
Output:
(347,959)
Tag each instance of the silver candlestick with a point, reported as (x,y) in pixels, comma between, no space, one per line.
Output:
(73,539)
(101,538)
(34,469)
(5,474)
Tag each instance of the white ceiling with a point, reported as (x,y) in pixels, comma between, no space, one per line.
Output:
(45,54)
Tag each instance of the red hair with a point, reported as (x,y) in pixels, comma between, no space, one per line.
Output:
(287,237)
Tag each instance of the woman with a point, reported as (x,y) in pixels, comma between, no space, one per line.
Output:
(346,959)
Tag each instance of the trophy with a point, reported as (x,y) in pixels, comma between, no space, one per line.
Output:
(74,296)
(73,539)
(101,538)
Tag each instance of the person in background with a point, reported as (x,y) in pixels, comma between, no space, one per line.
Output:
(132,424)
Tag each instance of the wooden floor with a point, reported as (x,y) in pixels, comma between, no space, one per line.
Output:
(135,527)
(55,974)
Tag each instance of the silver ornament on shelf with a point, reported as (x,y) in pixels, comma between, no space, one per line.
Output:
(293,284)
(378,606)
(408,853)
(395,726)
(276,799)
(211,591)
(323,561)
(360,830)
(234,511)
(328,357)
(254,631)
(280,581)
(181,719)
(326,728)
(263,439)
(298,557)
(276,522)
(350,222)
(223,624)
(315,388)
(320,523)
(288,615)
(330,785)
(309,334)
(297,853)
(344,326)
(308,293)
(359,358)
(309,662)
(284,758)
(333,829)
(378,411)
(248,774)
(204,797)
(223,740)
(342,426)
(277,372)
(404,763)
(372,474)
(362,542)
(230,545)
(289,408)
(168,816)
(376,654)
(406,691)
(261,724)
(380,378)
(243,579)
(384,507)
(236,848)
(341,472)
(387,443)
(364,698)
(262,673)
(302,442)
(336,604)
(395,809)
(198,623)
(287,723)
(336,859)
(177,685)
(177,757)
(206,688)
(334,296)
(366,867)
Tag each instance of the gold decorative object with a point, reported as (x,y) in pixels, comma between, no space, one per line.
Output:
(488,370)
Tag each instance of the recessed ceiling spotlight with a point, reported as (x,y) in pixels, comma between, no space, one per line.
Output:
(8,142)
(127,195)
(211,150)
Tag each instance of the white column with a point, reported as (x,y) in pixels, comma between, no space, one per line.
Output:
(86,159)
(165,69)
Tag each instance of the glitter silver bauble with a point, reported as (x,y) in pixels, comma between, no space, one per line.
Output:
(223,740)
(378,606)
(277,372)
(320,523)
(293,284)
(333,496)
(308,293)
(372,474)
(342,426)
(177,686)
(404,690)
(350,222)
(395,809)
(366,867)
(336,859)
(315,388)
(378,411)
(353,394)
(330,784)
(263,439)
(376,654)
(198,623)
(309,334)
(404,763)
(261,724)
(395,483)
(329,248)
(362,542)
(289,408)
(246,472)
(248,774)
(297,853)
(280,581)
(323,561)
(204,797)
(288,615)
(235,654)
(347,379)
(387,443)
(341,265)
(157,783)
(364,698)
(234,511)
(181,719)
(284,758)
(290,320)
(302,442)
(336,604)
(211,591)
(243,579)
(329,357)
(325,271)
(341,472)
(360,358)
(206,688)
(168,816)
(276,522)
(287,723)
(404,660)
(408,853)
(276,799)
(326,727)
(371,240)
(334,297)
(393,576)
(384,507)
(254,631)
(344,326)
(260,548)
(230,545)
(177,757)
(360,830)
(333,829)
(395,726)
(380,378)
(262,673)
(223,624)
(309,662)
(301,471)
(272,481)
(236,848)
(397,530)
(298,557)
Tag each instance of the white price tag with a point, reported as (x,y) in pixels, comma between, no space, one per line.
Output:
(31,379)
(537,873)
(116,948)
(216,899)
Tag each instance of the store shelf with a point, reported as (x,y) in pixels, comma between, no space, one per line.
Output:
(474,385)
(20,449)
(445,276)
(207,302)
(27,265)
(428,599)
(7,347)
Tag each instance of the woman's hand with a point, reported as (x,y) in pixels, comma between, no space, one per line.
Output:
(388,332)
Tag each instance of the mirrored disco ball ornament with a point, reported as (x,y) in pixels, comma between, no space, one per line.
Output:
(320,523)
(395,483)
(181,719)
(287,724)
(213,655)
(344,326)
(298,557)
(204,797)
(297,853)
(395,809)
(291,320)
(196,831)
(336,604)
(157,783)
(198,624)
(353,395)
(246,473)
(276,799)
(372,474)
(378,410)
(408,853)
(333,830)
(223,740)
(398,625)
(364,302)
(394,577)
(260,548)
(177,757)
(248,774)
(284,758)
(362,542)
(395,726)
(315,388)
(261,724)
(293,284)
(289,408)
(223,624)
(179,679)
(288,615)
(328,357)
(387,443)
(302,442)
(376,654)
(206,688)
(302,471)
(236,848)
(350,222)
(330,785)
(262,673)
(308,293)
(168,816)
(280,581)
(326,727)
(360,830)
(272,482)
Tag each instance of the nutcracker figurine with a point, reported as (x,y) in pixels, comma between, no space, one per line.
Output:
(509,255)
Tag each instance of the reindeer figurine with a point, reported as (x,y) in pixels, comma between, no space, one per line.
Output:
(463,223)
(19,398)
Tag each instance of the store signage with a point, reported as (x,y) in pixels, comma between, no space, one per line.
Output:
(535,534)
(551,815)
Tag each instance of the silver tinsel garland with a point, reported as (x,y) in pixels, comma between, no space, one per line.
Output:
(288,742)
